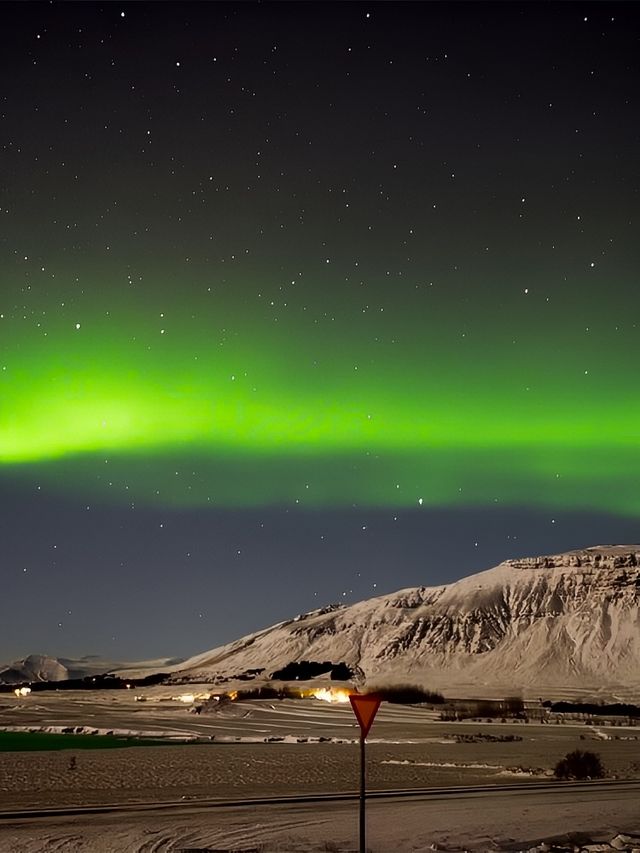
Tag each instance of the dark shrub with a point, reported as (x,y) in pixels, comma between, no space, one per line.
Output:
(266,692)
(489,708)
(409,694)
(305,669)
(514,706)
(341,672)
(580,764)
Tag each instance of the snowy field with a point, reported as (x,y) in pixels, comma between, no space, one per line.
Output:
(265,748)
(486,823)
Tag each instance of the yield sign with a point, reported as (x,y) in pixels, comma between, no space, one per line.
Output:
(365,707)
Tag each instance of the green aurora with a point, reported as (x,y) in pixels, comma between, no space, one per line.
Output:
(239,402)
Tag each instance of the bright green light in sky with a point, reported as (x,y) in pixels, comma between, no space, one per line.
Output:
(325,413)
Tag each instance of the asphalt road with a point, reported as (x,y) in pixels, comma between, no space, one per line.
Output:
(478,819)
(595,789)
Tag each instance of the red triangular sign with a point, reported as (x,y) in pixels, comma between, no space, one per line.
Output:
(365,706)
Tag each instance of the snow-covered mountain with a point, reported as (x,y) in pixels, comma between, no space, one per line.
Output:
(43,668)
(566,621)
(33,668)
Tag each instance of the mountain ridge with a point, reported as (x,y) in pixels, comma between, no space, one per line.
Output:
(569,619)
(562,622)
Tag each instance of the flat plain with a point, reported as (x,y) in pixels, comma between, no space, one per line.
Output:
(270,748)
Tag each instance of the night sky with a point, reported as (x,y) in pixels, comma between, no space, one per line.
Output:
(303,303)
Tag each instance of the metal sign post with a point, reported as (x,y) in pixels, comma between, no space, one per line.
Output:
(363,825)
(365,707)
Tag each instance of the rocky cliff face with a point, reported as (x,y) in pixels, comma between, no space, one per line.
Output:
(567,620)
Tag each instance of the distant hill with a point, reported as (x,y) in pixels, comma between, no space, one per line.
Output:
(33,668)
(36,668)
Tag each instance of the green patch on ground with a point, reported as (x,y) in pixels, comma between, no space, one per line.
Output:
(38,741)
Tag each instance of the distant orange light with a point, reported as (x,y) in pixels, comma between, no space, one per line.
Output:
(329,694)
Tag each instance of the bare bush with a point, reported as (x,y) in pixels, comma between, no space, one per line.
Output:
(409,694)
(580,764)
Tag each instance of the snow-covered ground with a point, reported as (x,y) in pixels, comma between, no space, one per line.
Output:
(487,823)
(265,748)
